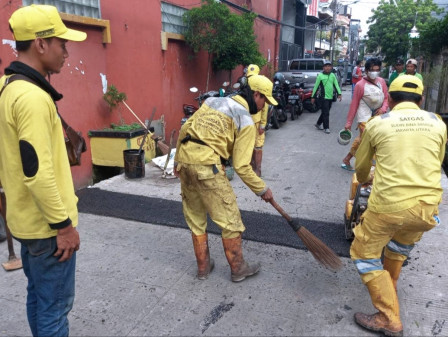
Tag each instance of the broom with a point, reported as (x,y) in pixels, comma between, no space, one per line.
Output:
(322,253)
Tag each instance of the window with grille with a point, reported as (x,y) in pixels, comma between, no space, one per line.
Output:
(88,8)
(172,21)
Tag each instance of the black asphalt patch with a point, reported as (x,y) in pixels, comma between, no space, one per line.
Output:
(260,227)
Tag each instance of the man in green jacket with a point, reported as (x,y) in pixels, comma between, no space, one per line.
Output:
(326,81)
(399,69)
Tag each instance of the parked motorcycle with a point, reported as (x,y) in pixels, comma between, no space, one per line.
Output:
(190,109)
(280,92)
(295,100)
(306,99)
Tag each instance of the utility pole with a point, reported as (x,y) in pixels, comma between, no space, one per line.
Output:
(334,8)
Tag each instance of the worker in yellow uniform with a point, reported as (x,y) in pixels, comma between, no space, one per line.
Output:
(409,145)
(221,128)
(260,120)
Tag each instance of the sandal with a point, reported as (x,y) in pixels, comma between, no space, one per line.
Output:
(347,167)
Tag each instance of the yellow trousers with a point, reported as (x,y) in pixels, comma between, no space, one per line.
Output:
(398,232)
(259,139)
(206,189)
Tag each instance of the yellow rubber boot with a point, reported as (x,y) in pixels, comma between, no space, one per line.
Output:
(384,298)
(205,264)
(394,269)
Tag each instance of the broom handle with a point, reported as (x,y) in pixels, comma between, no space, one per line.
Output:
(127,106)
(280,210)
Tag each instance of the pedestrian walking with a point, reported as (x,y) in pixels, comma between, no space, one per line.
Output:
(409,146)
(222,127)
(327,82)
(356,74)
(411,68)
(260,121)
(34,167)
(370,99)
(399,68)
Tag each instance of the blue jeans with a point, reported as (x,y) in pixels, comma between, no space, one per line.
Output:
(51,287)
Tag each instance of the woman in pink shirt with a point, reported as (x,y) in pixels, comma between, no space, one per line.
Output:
(369,99)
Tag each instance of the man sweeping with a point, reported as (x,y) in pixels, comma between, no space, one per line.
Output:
(409,145)
(221,128)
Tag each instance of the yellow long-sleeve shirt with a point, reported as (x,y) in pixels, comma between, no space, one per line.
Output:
(34,168)
(261,116)
(226,126)
(409,145)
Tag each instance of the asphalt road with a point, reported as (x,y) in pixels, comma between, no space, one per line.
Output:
(300,164)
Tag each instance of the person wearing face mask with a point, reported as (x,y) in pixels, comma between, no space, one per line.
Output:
(369,99)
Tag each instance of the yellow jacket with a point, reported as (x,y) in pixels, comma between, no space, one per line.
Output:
(226,126)
(38,185)
(261,116)
(409,145)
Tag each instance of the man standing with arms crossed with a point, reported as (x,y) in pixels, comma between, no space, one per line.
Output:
(409,145)
(34,167)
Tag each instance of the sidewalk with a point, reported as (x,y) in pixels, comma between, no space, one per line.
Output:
(138,279)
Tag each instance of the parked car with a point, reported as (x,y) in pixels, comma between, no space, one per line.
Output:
(303,70)
(337,71)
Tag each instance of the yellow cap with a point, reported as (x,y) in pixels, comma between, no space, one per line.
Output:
(252,69)
(41,21)
(263,85)
(407,83)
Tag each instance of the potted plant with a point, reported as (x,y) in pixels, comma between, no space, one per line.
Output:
(107,145)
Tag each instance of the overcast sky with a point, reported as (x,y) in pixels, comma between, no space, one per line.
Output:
(362,11)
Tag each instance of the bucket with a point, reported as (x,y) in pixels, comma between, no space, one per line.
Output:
(344,137)
(134,164)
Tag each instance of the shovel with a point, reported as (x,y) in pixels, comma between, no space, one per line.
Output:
(147,126)
(169,154)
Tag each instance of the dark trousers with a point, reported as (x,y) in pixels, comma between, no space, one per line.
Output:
(325,113)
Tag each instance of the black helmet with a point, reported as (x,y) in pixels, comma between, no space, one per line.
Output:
(279,77)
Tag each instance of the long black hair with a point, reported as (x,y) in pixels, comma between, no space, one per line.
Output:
(246,92)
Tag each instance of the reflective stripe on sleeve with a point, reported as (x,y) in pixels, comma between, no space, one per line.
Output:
(399,248)
(365,266)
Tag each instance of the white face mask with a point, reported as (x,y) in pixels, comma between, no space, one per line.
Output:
(373,74)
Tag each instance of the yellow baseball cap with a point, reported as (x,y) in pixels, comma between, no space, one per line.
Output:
(41,21)
(252,69)
(407,83)
(263,85)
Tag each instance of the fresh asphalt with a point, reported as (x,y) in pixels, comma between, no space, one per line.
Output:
(136,266)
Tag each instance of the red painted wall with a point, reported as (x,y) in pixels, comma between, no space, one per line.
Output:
(136,64)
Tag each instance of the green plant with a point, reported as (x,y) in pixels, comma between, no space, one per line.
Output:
(113,98)
(227,37)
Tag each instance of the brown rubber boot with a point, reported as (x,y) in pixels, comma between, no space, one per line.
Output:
(234,254)
(205,264)
(384,298)
(258,158)
(394,269)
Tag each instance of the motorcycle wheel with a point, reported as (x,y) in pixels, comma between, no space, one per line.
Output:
(274,119)
(282,116)
(299,108)
(294,112)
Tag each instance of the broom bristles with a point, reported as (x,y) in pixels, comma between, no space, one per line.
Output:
(321,252)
